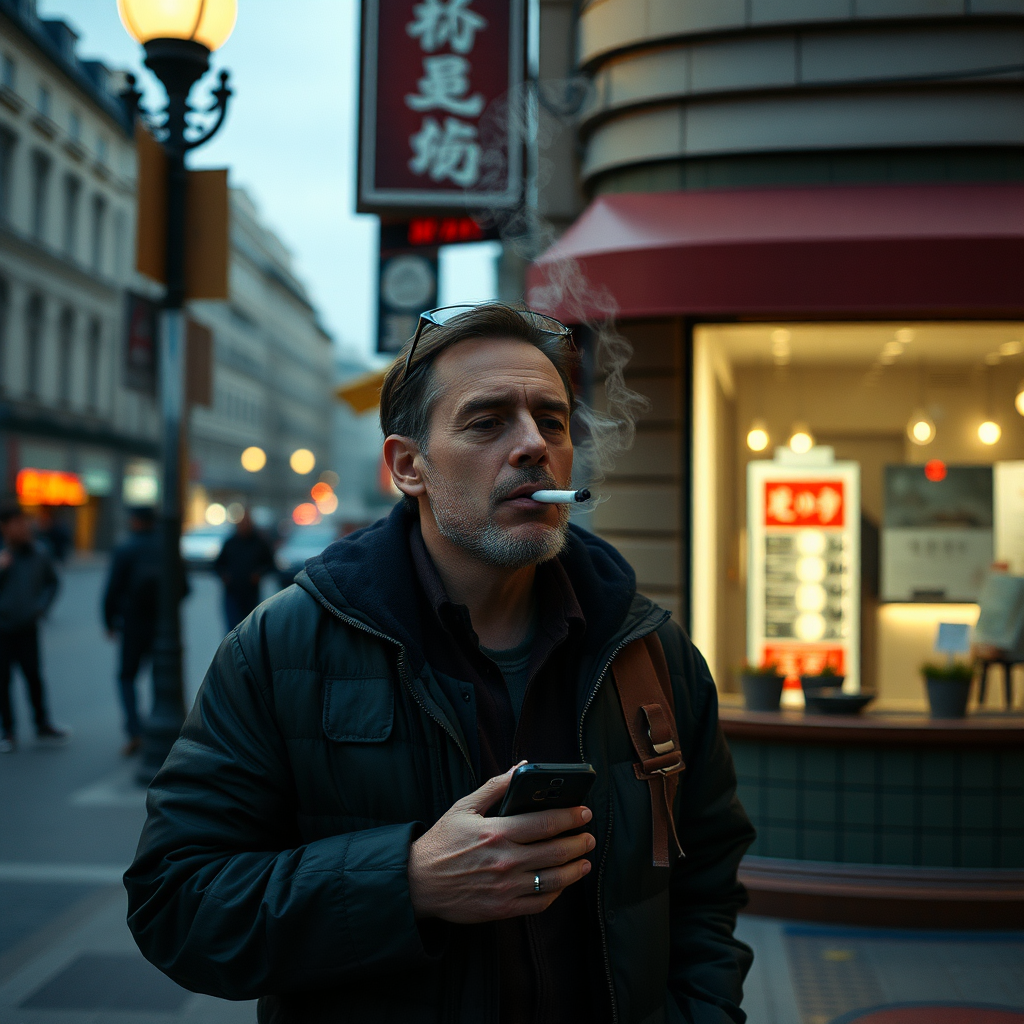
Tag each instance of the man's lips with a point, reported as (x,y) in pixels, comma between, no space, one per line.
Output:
(525,491)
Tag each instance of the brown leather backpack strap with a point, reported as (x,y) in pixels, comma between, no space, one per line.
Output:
(645,692)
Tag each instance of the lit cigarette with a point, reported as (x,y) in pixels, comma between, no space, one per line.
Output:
(561,497)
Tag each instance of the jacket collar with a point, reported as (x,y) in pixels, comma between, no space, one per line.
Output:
(371,576)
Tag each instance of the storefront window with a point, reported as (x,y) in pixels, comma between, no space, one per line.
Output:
(853,485)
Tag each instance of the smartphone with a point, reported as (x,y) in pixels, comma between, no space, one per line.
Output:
(537,787)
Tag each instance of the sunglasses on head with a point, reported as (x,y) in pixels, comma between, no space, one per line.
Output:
(443,314)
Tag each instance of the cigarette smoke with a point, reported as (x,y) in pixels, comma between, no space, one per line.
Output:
(600,435)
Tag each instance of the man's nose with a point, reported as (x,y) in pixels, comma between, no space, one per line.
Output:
(529,447)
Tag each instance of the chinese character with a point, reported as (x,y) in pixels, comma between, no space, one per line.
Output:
(830,501)
(780,501)
(452,153)
(438,23)
(444,86)
(804,504)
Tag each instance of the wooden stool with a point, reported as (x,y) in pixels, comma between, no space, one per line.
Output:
(1008,666)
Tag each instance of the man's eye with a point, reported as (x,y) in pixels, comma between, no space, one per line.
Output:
(552,424)
(488,423)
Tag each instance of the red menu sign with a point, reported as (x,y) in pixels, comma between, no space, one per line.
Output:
(435,130)
(803,503)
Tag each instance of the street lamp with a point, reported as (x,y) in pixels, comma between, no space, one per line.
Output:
(178,36)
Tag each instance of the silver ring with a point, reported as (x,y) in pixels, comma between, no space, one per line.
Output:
(536,883)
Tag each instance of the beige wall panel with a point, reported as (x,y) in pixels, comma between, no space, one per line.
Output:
(910,8)
(662,392)
(744,64)
(655,562)
(647,508)
(654,346)
(651,74)
(766,12)
(633,138)
(655,453)
(831,56)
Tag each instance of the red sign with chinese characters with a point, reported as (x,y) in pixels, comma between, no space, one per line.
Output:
(804,503)
(795,661)
(435,130)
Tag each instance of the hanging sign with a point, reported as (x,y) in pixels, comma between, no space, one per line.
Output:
(803,584)
(435,129)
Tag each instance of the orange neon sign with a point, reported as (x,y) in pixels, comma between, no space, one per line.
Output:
(49,487)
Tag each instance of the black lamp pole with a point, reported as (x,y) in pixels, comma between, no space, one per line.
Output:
(179,64)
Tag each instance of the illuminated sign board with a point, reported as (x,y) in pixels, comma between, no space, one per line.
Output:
(803,584)
(49,487)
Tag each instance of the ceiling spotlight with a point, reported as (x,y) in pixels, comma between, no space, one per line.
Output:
(992,359)
(921,427)
(757,436)
(892,348)
(1018,402)
(989,432)
(905,335)
(801,440)
(1011,348)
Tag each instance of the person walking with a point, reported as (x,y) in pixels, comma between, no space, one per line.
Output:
(319,835)
(28,586)
(244,560)
(130,609)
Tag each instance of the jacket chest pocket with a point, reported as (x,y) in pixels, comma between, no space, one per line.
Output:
(358,709)
(376,772)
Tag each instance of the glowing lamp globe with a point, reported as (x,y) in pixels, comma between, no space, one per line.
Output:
(207,22)
(921,428)
(254,459)
(989,432)
(1018,401)
(302,461)
(801,440)
(757,437)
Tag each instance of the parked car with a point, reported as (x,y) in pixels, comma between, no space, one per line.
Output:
(200,545)
(302,543)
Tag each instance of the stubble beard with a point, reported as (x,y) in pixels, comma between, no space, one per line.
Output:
(484,538)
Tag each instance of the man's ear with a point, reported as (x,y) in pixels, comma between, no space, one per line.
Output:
(400,456)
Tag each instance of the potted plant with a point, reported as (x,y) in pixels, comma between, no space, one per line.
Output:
(762,686)
(949,686)
(827,678)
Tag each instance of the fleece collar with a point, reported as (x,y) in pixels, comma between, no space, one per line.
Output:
(371,576)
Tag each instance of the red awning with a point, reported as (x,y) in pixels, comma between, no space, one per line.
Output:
(861,252)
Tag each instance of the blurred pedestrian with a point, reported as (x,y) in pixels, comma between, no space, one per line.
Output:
(244,560)
(54,533)
(130,609)
(28,585)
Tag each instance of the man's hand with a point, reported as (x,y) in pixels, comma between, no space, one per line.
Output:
(468,868)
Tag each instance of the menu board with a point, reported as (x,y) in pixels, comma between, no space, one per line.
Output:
(803,584)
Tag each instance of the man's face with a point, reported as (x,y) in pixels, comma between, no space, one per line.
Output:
(499,431)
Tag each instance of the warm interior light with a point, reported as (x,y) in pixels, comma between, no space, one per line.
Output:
(302,461)
(254,459)
(235,511)
(989,432)
(208,22)
(757,436)
(328,504)
(801,440)
(1018,402)
(216,514)
(921,428)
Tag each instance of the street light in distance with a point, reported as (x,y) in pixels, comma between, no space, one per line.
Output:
(178,37)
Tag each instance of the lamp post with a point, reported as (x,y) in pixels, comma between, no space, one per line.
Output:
(178,37)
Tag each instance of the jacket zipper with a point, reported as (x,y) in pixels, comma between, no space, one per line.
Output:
(625,642)
(404,676)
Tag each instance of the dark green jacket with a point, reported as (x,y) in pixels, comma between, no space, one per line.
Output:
(274,860)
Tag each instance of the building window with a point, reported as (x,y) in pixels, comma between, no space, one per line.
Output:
(101,151)
(7,141)
(65,356)
(40,188)
(43,100)
(92,368)
(72,193)
(33,344)
(4,307)
(75,126)
(120,230)
(8,72)
(99,220)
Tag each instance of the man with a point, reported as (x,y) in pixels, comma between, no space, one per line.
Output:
(28,585)
(318,835)
(243,561)
(130,609)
